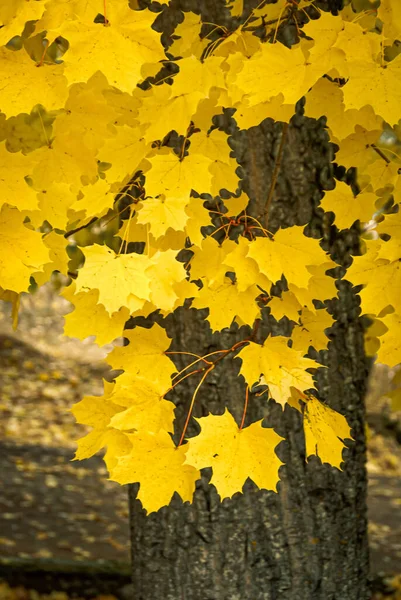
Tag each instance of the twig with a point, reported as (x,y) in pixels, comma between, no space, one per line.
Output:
(68,233)
(380,153)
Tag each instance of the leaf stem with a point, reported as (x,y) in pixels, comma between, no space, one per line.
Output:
(193,402)
(106,21)
(195,361)
(182,379)
(126,232)
(40,63)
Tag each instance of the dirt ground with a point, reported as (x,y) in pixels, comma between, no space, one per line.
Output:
(52,509)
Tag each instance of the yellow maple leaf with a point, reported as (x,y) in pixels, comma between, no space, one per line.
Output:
(288,254)
(236,205)
(391,249)
(55,15)
(246,269)
(172,107)
(355,40)
(145,409)
(118,444)
(184,289)
(144,357)
(163,213)
(175,178)
(323,54)
(365,78)
(380,277)
(158,465)
(379,174)
(208,108)
(124,151)
(164,273)
(248,115)
(122,280)
(389,12)
(22,251)
(288,72)
(15,190)
(235,454)
(356,149)
(236,7)
(120,47)
(225,302)
(389,352)
(320,286)
(391,225)
(96,411)
(326,99)
(214,145)
(14,14)
(95,199)
(124,104)
(346,207)
(224,177)
(58,257)
(271,12)
(207,262)
(371,335)
(311,330)
(44,85)
(90,444)
(275,364)
(54,204)
(201,75)
(65,161)
(198,217)
(162,111)
(286,306)
(132,231)
(189,42)
(89,318)
(87,113)
(135,405)
(324,431)
(238,41)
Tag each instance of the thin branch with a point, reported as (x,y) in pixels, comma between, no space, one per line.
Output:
(68,233)
(380,153)
(182,379)
(192,404)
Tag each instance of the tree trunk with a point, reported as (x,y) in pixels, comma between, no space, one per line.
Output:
(309,541)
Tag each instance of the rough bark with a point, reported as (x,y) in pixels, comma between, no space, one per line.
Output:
(309,541)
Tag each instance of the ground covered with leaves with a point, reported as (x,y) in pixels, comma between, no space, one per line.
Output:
(52,508)
(54,511)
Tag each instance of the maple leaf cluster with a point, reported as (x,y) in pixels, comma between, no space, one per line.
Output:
(89,99)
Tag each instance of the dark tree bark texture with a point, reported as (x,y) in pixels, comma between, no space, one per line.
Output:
(309,541)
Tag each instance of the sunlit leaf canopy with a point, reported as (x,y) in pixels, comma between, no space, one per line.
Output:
(88,97)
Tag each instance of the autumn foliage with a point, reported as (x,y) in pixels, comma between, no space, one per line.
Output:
(89,96)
